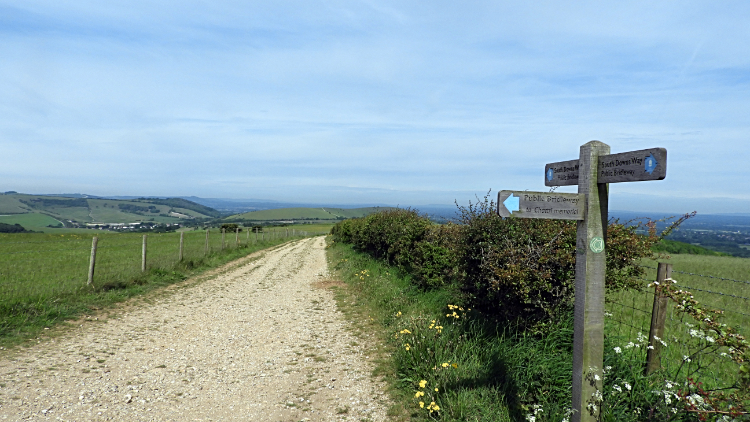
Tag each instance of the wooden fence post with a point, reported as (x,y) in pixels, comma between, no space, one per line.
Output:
(92,262)
(588,334)
(143,255)
(182,241)
(236,237)
(256,235)
(248,235)
(658,319)
(205,250)
(223,233)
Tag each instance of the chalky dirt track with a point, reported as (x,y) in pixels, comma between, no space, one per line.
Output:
(260,340)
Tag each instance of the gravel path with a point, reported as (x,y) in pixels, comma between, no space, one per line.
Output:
(259,341)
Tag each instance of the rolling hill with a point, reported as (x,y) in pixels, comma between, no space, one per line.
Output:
(39,212)
(301,213)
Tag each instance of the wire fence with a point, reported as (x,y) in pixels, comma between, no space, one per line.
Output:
(48,266)
(629,318)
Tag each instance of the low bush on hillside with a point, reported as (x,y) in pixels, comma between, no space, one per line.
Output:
(13,228)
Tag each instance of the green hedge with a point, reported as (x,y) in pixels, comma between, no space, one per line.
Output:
(513,269)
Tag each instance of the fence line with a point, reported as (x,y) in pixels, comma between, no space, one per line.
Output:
(701,275)
(627,308)
(712,292)
(68,266)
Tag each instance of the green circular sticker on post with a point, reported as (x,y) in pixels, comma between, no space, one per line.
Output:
(597,245)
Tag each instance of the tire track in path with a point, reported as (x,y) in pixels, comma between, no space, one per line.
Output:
(258,342)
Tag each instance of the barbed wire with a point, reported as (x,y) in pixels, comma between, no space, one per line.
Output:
(711,276)
(44,250)
(46,241)
(699,275)
(716,293)
(734,312)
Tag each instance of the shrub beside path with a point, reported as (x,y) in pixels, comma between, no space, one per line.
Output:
(258,341)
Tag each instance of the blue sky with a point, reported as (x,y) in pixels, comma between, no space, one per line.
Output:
(387,102)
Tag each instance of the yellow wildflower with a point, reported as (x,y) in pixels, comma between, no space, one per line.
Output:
(436,390)
(446,364)
(422,384)
(454,365)
(419,394)
(421,404)
(405,331)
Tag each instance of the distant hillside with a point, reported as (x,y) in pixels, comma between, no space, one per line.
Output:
(183,203)
(302,213)
(673,246)
(45,212)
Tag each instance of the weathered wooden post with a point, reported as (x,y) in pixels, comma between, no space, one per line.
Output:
(223,234)
(143,255)
(182,242)
(658,319)
(206,249)
(237,237)
(248,235)
(591,266)
(92,261)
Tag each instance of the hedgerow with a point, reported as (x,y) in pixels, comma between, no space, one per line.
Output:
(507,268)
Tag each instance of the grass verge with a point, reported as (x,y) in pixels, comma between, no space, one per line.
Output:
(441,360)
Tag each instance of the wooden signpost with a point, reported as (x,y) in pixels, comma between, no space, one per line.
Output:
(524,204)
(592,172)
(634,166)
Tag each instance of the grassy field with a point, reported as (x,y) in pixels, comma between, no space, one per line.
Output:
(31,221)
(304,214)
(9,204)
(43,277)
(690,272)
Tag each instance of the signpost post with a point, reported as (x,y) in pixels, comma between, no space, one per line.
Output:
(592,172)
